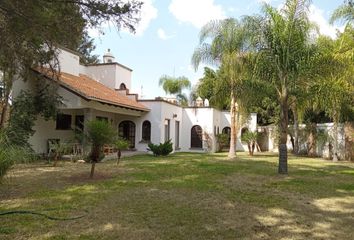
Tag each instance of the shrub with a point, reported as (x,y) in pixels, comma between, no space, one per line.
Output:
(10,154)
(59,149)
(163,149)
(223,140)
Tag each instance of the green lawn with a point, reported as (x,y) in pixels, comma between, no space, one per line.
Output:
(183,196)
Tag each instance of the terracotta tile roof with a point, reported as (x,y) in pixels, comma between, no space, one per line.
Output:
(90,89)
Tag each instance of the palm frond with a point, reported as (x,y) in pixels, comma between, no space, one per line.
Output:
(344,13)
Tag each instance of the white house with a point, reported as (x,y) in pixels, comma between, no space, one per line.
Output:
(102,91)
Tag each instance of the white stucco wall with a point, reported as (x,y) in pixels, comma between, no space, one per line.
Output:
(159,112)
(197,116)
(111,75)
(322,149)
(69,62)
(104,74)
(45,130)
(122,75)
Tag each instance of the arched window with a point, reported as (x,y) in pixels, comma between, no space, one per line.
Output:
(122,86)
(126,130)
(227,130)
(146,131)
(196,137)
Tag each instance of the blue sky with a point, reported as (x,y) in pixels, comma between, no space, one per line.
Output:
(169,32)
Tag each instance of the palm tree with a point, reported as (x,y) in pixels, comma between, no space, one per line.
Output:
(334,81)
(228,49)
(99,132)
(283,37)
(344,12)
(175,86)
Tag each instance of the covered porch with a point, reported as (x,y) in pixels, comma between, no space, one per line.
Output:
(69,127)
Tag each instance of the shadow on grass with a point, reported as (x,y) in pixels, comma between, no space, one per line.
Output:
(193,196)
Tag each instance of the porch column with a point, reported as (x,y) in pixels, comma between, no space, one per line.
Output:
(88,115)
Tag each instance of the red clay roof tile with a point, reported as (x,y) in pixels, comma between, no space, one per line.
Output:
(93,90)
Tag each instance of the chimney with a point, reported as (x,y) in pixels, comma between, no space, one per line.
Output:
(108,57)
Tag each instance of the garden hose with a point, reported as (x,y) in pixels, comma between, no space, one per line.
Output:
(42,215)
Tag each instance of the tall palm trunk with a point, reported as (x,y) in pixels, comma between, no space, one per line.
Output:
(311,141)
(296,129)
(335,142)
(233,134)
(283,136)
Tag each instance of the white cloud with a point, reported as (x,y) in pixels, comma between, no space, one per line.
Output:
(162,34)
(196,12)
(147,14)
(317,16)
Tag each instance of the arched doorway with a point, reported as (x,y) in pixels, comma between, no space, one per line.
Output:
(126,130)
(196,137)
(227,130)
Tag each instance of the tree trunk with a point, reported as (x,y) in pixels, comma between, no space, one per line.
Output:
(253,145)
(349,141)
(119,154)
(233,134)
(95,152)
(55,159)
(296,130)
(283,135)
(3,113)
(335,142)
(92,169)
(5,104)
(292,141)
(311,141)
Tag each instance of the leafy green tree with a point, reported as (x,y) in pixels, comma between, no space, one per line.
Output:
(98,133)
(282,39)
(334,80)
(224,43)
(85,48)
(175,86)
(209,87)
(31,31)
(43,101)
